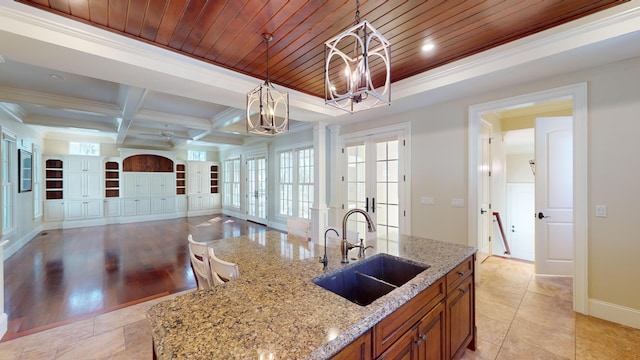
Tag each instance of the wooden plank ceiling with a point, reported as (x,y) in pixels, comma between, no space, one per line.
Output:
(228,33)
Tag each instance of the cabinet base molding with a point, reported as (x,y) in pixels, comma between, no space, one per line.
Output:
(150,217)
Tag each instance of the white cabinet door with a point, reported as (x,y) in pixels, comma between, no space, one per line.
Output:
(143,185)
(93,209)
(74,183)
(181,203)
(93,184)
(157,184)
(170,204)
(74,210)
(198,176)
(83,209)
(128,185)
(216,202)
(112,207)
(54,210)
(157,205)
(141,206)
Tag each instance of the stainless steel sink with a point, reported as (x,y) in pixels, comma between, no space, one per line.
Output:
(365,281)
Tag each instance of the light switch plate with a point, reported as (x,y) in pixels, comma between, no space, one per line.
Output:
(459,203)
(601,210)
(427,200)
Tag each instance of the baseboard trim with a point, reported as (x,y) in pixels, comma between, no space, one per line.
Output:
(18,244)
(615,313)
(4,324)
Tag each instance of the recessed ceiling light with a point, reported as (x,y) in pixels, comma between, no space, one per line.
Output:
(56,76)
(428,47)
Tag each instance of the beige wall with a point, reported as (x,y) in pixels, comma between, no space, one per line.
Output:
(518,168)
(439,169)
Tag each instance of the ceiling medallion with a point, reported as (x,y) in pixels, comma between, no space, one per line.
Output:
(267,108)
(357,68)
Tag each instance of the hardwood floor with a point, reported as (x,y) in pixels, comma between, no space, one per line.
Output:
(62,276)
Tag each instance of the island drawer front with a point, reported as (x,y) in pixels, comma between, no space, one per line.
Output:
(391,328)
(457,275)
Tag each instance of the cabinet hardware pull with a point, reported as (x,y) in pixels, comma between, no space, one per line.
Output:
(423,337)
(460,273)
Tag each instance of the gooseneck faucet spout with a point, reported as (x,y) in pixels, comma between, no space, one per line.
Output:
(345,246)
(324,259)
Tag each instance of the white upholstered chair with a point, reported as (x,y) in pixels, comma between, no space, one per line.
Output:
(199,256)
(222,271)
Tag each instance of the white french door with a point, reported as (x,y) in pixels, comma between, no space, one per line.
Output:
(375,183)
(256,196)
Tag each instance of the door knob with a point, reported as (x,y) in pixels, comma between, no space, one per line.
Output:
(541,215)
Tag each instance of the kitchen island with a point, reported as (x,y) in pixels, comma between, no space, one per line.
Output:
(275,311)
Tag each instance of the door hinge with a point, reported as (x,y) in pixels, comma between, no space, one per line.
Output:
(489,172)
(343,178)
(342,206)
(490,140)
(404,142)
(404,213)
(489,206)
(343,150)
(404,177)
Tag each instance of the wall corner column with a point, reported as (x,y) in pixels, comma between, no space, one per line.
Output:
(319,209)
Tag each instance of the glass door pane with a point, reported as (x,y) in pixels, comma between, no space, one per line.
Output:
(387,201)
(256,198)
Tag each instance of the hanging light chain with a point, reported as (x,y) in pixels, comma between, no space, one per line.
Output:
(357,12)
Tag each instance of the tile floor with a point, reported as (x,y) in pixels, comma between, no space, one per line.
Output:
(519,316)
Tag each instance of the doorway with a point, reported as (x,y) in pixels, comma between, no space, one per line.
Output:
(578,95)
(257,189)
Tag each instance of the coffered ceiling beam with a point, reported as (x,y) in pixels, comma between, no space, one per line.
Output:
(130,99)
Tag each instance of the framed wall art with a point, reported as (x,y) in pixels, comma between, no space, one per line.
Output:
(25,161)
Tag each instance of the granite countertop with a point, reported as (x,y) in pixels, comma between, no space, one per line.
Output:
(274,310)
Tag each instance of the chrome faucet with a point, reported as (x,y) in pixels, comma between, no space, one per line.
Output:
(324,259)
(345,245)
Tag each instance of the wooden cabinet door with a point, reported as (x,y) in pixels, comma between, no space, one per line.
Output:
(460,318)
(431,333)
(403,349)
(360,349)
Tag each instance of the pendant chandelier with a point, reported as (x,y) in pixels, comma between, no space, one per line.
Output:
(267,108)
(357,68)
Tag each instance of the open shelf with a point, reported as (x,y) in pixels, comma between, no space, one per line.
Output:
(112,179)
(214,179)
(180,180)
(53,179)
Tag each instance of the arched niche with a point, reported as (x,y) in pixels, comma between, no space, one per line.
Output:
(147,163)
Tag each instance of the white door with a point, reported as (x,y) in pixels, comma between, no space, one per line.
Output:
(374,183)
(485,219)
(554,196)
(257,189)
(520,227)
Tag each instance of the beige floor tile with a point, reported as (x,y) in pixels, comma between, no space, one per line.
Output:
(601,339)
(484,351)
(491,330)
(115,319)
(97,347)
(560,320)
(500,295)
(495,310)
(138,352)
(552,286)
(514,349)
(39,353)
(60,336)
(547,303)
(12,349)
(547,338)
(137,333)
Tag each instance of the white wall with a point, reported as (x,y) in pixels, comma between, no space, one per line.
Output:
(26,226)
(518,168)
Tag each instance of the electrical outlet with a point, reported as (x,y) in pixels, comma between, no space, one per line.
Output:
(601,210)
(459,203)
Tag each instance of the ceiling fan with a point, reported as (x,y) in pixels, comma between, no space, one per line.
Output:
(169,135)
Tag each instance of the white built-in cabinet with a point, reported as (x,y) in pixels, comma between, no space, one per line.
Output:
(201,198)
(93,190)
(83,177)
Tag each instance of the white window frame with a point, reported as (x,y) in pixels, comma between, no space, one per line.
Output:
(8,180)
(196,155)
(37,181)
(231,182)
(296,183)
(88,149)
